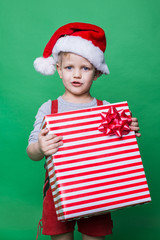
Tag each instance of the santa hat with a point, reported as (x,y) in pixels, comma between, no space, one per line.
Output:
(84,39)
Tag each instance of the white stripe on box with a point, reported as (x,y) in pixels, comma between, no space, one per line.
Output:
(65,124)
(51,172)
(87,134)
(87,177)
(107,187)
(48,158)
(129,203)
(73,114)
(79,164)
(73,122)
(116,157)
(72,129)
(53,178)
(76,192)
(92,140)
(90,197)
(99,145)
(111,200)
(93,154)
(124,170)
(70,123)
(83,184)
(94,168)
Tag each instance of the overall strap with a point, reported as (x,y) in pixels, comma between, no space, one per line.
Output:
(99,102)
(54,106)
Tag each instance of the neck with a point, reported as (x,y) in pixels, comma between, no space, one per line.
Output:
(77,99)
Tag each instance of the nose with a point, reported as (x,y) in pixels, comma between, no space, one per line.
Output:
(77,73)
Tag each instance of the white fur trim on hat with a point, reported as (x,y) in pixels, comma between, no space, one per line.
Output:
(45,66)
(82,47)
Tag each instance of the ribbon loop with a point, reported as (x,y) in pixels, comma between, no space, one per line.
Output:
(115,122)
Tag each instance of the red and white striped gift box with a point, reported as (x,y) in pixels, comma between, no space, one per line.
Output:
(93,173)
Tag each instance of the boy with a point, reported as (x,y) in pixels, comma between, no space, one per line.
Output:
(78,51)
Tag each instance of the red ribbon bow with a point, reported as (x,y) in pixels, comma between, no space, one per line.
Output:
(115,122)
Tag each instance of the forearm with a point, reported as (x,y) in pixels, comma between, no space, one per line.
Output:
(34,152)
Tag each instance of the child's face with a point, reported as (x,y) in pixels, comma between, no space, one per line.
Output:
(77,74)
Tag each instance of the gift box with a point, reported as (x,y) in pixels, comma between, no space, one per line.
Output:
(99,167)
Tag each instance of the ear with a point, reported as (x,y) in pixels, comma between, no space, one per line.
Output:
(97,75)
(59,70)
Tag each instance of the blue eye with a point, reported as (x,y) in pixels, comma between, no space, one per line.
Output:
(69,67)
(86,68)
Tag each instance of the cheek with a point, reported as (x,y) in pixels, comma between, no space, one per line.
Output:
(89,78)
(88,84)
(66,78)
(59,70)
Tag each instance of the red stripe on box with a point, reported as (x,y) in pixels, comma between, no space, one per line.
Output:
(105,205)
(72,125)
(83,174)
(106,161)
(85,180)
(81,138)
(117,105)
(95,150)
(95,165)
(55,121)
(132,178)
(76,125)
(55,187)
(98,199)
(96,185)
(107,155)
(53,183)
(44,125)
(88,194)
(96,143)
(73,119)
(73,132)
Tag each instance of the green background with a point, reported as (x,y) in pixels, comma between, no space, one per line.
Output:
(133,35)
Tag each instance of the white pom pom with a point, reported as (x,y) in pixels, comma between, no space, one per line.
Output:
(45,66)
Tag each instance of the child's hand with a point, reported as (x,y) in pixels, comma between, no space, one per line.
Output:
(49,143)
(135,126)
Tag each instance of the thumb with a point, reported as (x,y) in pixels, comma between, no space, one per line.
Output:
(44,132)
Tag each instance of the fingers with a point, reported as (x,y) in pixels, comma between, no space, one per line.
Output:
(52,148)
(49,143)
(134,126)
(48,137)
(134,119)
(137,134)
(53,138)
(44,132)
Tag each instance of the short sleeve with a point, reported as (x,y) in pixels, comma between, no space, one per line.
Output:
(45,109)
(105,102)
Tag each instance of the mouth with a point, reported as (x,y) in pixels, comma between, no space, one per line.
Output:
(76,84)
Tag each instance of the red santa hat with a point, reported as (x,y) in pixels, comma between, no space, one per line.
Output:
(84,39)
